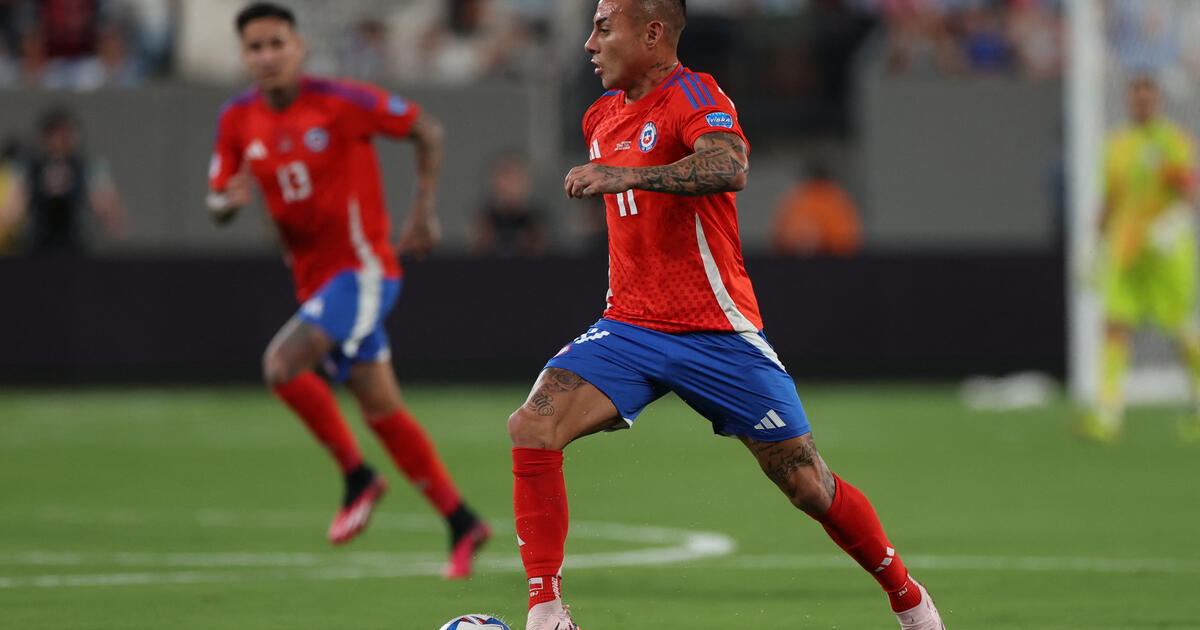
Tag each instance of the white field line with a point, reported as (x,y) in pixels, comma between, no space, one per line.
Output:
(1064,564)
(354,566)
(697,549)
(670,545)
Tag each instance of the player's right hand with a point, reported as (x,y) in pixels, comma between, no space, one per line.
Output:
(239,189)
(223,206)
(593,179)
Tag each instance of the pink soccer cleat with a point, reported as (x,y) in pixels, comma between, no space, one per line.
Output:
(550,616)
(353,517)
(923,616)
(462,555)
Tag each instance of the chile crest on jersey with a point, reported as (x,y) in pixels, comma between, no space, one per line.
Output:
(316,139)
(648,137)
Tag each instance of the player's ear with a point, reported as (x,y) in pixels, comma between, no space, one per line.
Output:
(654,33)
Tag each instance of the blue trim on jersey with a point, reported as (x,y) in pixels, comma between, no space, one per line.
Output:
(726,377)
(610,93)
(357,96)
(701,89)
(671,77)
(245,97)
(682,83)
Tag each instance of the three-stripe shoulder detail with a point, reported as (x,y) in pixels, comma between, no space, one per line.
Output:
(694,88)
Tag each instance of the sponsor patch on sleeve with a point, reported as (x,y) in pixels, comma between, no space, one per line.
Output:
(720,119)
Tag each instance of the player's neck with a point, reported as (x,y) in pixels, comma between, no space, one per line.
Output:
(279,98)
(655,75)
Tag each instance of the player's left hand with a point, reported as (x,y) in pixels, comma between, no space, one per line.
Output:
(419,237)
(590,180)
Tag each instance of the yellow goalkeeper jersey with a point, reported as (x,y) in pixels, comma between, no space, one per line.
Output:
(1147,170)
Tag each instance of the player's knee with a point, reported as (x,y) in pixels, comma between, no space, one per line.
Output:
(275,370)
(527,429)
(376,405)
(808,494)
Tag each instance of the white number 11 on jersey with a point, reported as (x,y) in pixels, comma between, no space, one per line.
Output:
(626,204)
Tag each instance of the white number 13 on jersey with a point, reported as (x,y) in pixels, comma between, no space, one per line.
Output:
(625,203)
(294,182)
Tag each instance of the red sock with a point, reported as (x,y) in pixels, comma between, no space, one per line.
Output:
(852,523)
(414,454)
(540,507)
(312,400)
(544,588)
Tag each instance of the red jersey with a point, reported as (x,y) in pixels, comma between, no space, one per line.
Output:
(674,262)
(317,169)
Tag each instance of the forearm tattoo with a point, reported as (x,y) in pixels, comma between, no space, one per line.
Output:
(719,160)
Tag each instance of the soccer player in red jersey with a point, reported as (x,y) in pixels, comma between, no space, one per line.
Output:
(307,142)
(667,153)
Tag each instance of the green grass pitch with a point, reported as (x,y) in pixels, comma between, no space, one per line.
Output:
(206,509)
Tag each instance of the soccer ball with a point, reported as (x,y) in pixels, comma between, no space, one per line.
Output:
(472,622)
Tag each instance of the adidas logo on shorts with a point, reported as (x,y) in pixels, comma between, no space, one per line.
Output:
(770,421)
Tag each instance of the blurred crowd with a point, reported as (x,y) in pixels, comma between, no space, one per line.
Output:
(973,37)
(88,44)
(444,41)
(84,44)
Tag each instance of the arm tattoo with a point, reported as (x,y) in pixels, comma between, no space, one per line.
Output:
(716,166)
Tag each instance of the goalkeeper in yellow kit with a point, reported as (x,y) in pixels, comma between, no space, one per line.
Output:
(1148,257)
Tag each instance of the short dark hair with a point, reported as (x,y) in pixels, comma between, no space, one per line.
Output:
(259,10)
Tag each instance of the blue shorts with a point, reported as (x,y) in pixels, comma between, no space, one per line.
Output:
(735,380)
(350,308)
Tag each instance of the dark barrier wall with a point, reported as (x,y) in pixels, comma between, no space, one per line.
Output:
(199,319)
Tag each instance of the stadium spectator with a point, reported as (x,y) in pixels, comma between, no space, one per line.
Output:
(11,196)
(972,37)
(1145,35)
(1036,32)
(919,40)
(510,224)
(460,41)
(60,184)
(83,44)
(816,217)
(985,44)
(62,43)
(364,52)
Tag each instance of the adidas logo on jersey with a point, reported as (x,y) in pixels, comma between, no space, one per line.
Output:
(256,151)
(770,421)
